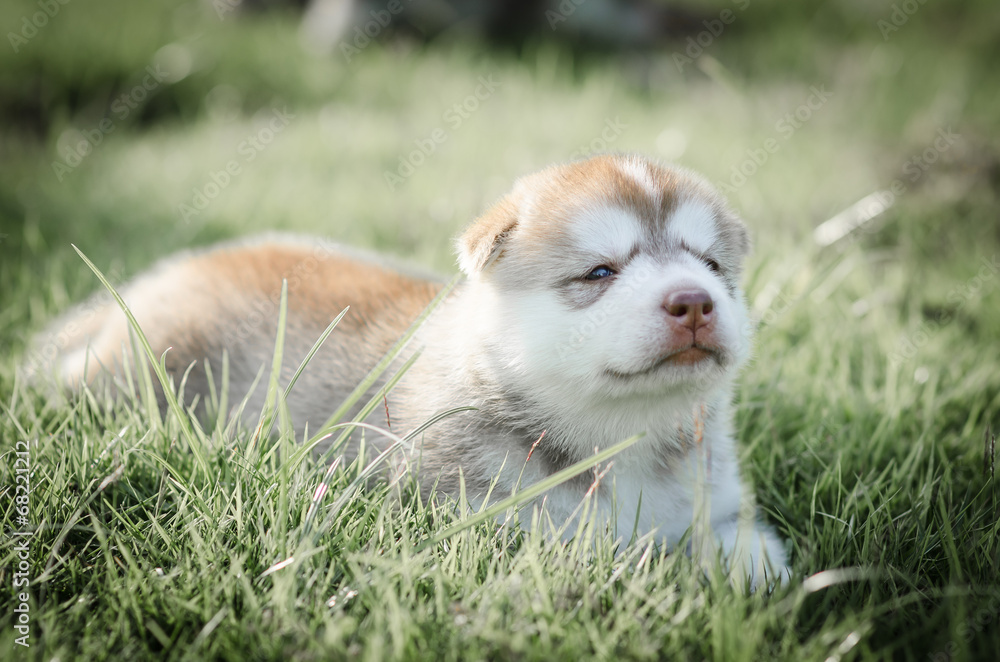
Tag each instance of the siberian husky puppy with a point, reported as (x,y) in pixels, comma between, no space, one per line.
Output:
(602,300)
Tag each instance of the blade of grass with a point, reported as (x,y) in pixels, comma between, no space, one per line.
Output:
(532,491)
(324,485)
(359,480)
(269,411)
(315,348)
(375,400)
(302,366)
(195,445)
(384,363)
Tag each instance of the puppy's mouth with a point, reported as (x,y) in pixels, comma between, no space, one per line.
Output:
(691,355)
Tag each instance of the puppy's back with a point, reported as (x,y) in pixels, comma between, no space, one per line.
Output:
(226,299)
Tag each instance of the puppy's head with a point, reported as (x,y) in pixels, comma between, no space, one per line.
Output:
(613,276)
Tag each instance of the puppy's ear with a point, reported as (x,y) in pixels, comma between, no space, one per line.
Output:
(736,237)
(743,238)
(483,241)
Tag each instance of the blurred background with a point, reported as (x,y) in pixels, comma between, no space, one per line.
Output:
(134,129)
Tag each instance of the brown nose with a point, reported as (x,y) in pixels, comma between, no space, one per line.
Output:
(691,308)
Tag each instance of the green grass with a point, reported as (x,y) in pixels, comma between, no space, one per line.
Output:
(862,417)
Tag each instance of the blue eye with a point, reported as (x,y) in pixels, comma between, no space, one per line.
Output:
(599,273)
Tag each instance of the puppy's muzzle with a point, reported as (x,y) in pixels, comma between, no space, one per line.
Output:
(690,325)
(689,309)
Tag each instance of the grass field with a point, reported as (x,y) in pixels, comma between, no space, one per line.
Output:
(865,417)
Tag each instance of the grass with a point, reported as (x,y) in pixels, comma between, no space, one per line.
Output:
(864,418)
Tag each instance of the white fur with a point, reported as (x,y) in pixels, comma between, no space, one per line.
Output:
(693,224)
(639,172)
(526,341)
(532,340)
(552,347)
(606,233)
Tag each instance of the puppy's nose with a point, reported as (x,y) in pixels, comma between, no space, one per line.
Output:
(691,308)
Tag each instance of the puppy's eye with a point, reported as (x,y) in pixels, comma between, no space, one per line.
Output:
(600,272)
(712,264)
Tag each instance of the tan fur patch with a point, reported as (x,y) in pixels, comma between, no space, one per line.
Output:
(561,192)
(533,220)
(382,303)
(481,242)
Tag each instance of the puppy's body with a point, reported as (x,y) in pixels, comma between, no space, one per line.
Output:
(201,303)
(602,301)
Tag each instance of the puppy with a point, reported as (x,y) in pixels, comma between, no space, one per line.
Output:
(602,301)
